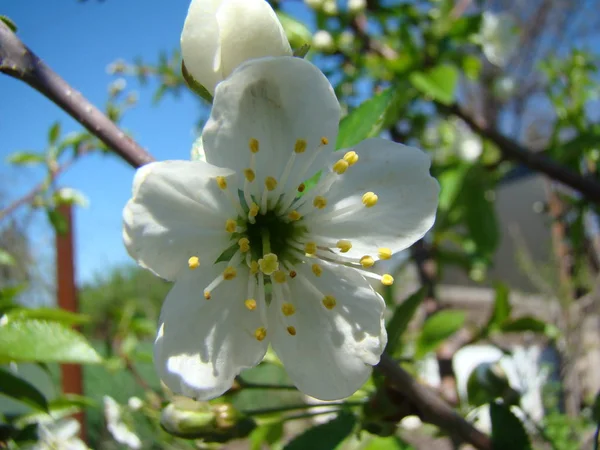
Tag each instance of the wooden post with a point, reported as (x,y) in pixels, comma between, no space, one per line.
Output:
(66,292)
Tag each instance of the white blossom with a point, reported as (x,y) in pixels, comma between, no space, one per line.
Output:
(119,430)
(257,263)
(499,38)
(59,435)
(357,6)
(219,35)
(323,41)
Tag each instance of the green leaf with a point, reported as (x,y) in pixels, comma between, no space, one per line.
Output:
(528,323)
(502,307)
(58,221)
(387,443)
(69,196)
(436,329)
(451,181)
(403,314)
(296,31)
(33,340)
(24,158)
(508,431)
(6,259)
(21,390)
(365,121)
(471,66)
(194,85)
(465,26)
(326,436)
(54,133)
(596,409)
(9,23)
(438,83)
(266,434)
(50,314)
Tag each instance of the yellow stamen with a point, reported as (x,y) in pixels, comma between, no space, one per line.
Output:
(279,276)
(254,267)
(340,166)
(351,158)
(294,215)
(270,183)
(320,202)
(344,245)
(300,146)
(385,253)
(288,309)
(249,174)
(268,263)
(222,182)
(250,304)
(367,261)
(292,274)
(369,199)
(316,269)
(324,141)
(301,187)
(206,295)
(253,144)
(193,262)
(329,302)
(310,248)
(291,330)
(387,280)
(254,208)
(244,244)
(260,333)
(230,225)
(229,273)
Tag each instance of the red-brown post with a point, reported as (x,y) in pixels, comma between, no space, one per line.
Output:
(66,291)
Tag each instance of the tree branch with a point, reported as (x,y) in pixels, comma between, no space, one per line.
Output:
(18,61)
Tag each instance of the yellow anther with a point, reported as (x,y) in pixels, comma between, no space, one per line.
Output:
(222,182)
(230,225)
(291,330)
(288,309)
(316,269)
(300,146)
(329,302)
(292,274)
(244,244)
(320,202)
(367,261)
(253,144)
(387,279)
(294,215)
(279,276)
(369,199)
(206,295)
(310,248)
(340,166)
(254,267)
(351,158)
(344,245)
(254,208)
(229,273)
(385,253)
(301,187)
(268,263)
(193,262)
(260,334)
(324,141)
(249,174)
(270,183)
(250,304)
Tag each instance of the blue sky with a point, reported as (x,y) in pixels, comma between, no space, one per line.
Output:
(79,40)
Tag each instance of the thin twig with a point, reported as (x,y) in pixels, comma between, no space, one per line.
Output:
(285,408)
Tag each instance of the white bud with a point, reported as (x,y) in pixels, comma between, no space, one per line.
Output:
(330,7)
(498,37)
(135,403)
(356,6)
(220,35)
(323,41)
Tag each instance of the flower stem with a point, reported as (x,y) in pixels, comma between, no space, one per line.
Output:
(266,240)
(285,408)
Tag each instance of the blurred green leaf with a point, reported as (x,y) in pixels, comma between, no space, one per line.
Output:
(296,31)
(387,443)
(438,83)
(508,431)
(33,340)
(50,314)
(69,196)
(54,133)
(365,121)
(23,158)
(465,26)
(528,323)
(21,390)
(471,66)
(596,409)
(195,87)
(6,259)
(270,434)
(436,329)
(58,221)
(9,23)
(451,181)
(402,316)
(502,307)
(326,436)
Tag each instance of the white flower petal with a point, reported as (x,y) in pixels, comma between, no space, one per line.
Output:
(276,101)
(203,344)
(177,211)
(331,355)
(406,206)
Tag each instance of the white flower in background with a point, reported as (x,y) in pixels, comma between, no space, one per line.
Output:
(219,35)
(467,145)
(330,7)
(323,41)
(256,264)
(356,6)
(499,38)
(59,435)
(118,429)
(135,403)
(505,87)
(315,4)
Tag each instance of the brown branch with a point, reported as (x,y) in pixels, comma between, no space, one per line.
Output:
(432,409)
(18,61)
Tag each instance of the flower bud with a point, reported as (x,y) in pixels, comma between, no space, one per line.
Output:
(323,41)
(219,35)
(356,6)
